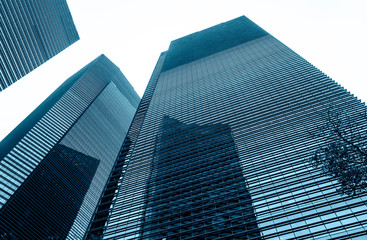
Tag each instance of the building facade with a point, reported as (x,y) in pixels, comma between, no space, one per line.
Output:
(31,32)
(219,145)
(55,164)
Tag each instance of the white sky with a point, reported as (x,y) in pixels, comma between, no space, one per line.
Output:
(331,34)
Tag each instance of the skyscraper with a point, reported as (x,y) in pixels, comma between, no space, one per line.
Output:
(54,165)
(31,32)
(219,145)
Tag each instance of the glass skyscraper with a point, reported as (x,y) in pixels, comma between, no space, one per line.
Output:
(31,32)
(218,147)
(55,164)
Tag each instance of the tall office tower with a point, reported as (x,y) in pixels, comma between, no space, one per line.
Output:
(31,32)
(219,143)
(55,164)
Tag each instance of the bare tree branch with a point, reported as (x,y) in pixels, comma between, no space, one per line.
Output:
(343,155)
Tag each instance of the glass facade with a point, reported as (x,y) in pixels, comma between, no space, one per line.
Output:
(219,145)
(204,185)
(31,32)
(55,164)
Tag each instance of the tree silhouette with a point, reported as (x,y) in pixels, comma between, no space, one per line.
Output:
(343,154)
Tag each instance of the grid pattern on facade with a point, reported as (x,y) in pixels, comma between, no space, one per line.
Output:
(270,98)
(87,125)
(31,32)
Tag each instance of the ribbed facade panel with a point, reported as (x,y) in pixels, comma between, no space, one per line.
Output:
(50,129)
(99,133)
(32,32)
(52,179)
(97,225)
(269,98)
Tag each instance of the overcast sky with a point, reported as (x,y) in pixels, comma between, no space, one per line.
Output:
(331,34)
